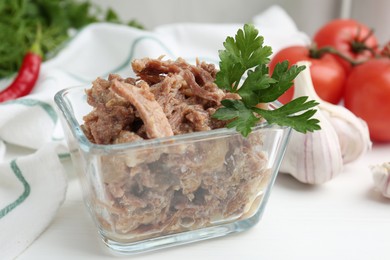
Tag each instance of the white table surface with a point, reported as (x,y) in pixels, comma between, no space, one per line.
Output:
(342,219)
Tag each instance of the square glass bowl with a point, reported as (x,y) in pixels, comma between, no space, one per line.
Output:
(175,190)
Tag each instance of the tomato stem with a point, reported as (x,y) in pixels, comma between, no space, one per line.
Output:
(359,46)
(316,53)
(386,51)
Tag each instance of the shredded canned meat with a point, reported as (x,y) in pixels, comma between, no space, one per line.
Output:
(162,190)
(169,98)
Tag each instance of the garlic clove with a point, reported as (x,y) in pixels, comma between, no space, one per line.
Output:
(314,157)
(381,176)
(352,131)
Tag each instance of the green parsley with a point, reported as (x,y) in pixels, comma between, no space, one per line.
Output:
(19,20)
(246,54)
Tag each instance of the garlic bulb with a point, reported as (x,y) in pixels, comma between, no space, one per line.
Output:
(381,176)
(352,131)
(314,157)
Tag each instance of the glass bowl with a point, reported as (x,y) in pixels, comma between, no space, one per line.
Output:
(169,191)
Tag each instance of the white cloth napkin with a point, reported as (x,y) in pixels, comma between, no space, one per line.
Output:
(33,186)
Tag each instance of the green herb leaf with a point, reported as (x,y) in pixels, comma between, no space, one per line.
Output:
(284,78)
(241,53)
(289,115)
(245,53)
(18,26)
(255,84)
(242,117)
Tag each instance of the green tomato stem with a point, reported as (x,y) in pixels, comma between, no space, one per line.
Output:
(318,53)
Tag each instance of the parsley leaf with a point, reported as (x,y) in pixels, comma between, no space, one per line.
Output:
(18,26)
(287,115)
(243,117)
(241,53)
(284,78)
(245,54)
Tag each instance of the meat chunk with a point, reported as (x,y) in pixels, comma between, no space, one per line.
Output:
(149,110)
(111,114)
(199,79)
(168,98)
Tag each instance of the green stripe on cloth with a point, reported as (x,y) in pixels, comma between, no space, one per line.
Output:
(127,61)
(33,102)
(18,173)
(63,156)
(136,42)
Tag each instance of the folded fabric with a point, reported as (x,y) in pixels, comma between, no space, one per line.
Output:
(33,186)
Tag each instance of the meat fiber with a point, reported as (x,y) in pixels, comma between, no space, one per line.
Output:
(150,112)
(168,98)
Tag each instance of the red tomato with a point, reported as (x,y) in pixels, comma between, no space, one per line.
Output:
(367,95)
(327,75)
(350,38)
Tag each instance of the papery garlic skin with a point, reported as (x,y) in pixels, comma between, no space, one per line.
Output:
(352,131)
(314,157)
(381,176)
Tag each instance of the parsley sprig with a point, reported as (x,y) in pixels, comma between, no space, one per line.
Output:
(245,54)
(18,26)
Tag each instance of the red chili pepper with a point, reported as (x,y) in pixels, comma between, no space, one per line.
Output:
(27,76)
